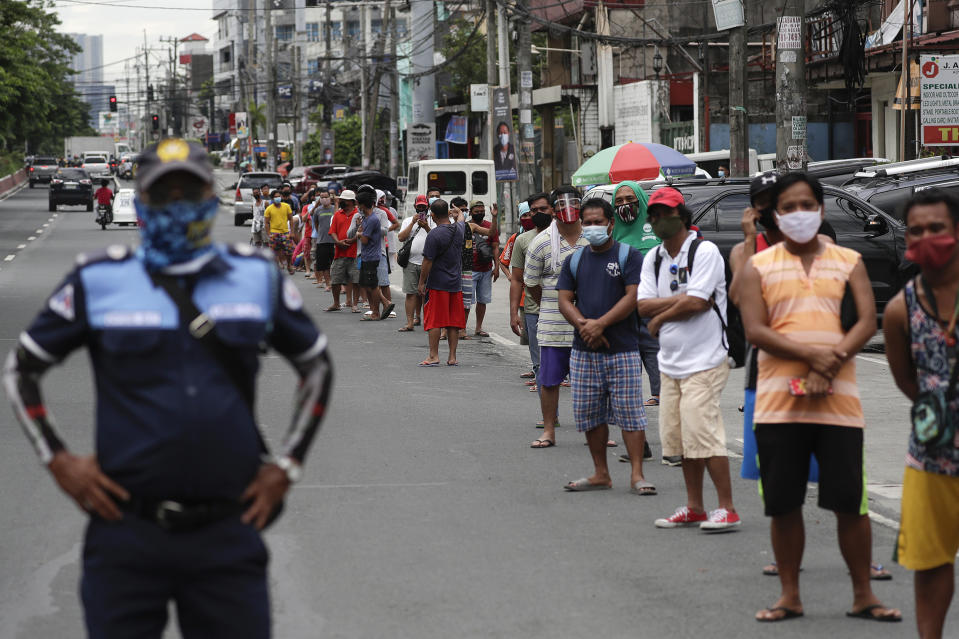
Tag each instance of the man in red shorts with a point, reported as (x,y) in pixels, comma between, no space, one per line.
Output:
(441,281)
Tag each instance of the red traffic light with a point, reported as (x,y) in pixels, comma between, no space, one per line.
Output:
(113,103)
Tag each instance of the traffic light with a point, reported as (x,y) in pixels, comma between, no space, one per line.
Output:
(113,103)
(150,93)
(156,121)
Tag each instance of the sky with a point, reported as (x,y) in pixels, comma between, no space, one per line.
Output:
(122,22)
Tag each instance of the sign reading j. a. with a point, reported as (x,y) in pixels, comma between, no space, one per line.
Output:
(939,99)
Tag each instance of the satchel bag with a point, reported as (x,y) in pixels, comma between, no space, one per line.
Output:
(484,251)
(403,255)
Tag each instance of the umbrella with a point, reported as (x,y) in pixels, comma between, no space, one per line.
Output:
(633,161)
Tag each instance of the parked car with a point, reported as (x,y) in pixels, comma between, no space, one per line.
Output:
(316,174)
(41,170)
(839,171)
(888,186)
(71,186)
(243,203)
(353,179)
(718,206)
(124,212)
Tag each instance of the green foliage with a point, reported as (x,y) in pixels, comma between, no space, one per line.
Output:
(467,60)
(256,118)
(38,105)
(347,137)
(10,162)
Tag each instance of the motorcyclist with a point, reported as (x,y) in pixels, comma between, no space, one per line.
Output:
(104,196)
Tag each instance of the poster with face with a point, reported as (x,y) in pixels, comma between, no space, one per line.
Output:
(504,154)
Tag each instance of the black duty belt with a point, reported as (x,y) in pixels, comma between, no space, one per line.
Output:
(181,516)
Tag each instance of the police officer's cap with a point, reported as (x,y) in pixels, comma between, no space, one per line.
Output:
(172,154)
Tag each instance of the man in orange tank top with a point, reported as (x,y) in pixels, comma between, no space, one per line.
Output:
(807,400)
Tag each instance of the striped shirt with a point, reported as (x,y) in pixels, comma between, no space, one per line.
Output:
(805,308)
(552,329)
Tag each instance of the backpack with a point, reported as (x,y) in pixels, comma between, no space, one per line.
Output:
(578,255)
(734,334)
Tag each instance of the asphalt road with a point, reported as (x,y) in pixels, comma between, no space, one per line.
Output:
(423,513)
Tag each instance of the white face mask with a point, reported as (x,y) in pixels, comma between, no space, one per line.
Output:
(800,226)
(504,139)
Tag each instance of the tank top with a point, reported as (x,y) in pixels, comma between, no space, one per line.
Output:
(930,353)
(805,307)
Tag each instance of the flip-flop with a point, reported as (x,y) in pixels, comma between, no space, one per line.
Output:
(772,570)
(788,613)
(611,444)
(369,318)
(866,613)
(877,572)
(583,485)
(425,364)
(529,375)
(652,401)
(354,310)
(386,311)
(533,388)
(643,487)
(542,443)
(462,337)
(405,329)
(416,322)
(481,334)
(452,363)
(333,308)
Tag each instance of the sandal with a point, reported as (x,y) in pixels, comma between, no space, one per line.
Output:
(405,329)
(333,308)
(788,613)
(481,334)
(542,443)
(885,614)
(654,401)
(529,375)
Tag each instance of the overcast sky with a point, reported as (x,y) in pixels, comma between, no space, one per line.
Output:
(121,23)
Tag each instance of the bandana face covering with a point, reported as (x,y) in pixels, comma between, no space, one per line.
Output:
(527,223)
(627,212)
(175,233)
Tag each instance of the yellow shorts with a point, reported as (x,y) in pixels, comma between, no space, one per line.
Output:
(690,419)
(929,531)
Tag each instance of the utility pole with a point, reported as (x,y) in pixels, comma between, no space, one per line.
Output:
(906,102)
(146,70)
(505,197)
(271,87)
(364,91)
(490,74)
(327,36)
(424,86)
(791,152)
(738,99)
(394,100)
(251,75)
(297,95)
(524,68)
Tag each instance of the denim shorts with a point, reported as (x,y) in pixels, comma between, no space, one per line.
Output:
(482,287)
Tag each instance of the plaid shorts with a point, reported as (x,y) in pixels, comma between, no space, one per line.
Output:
(607,389)
(281,243)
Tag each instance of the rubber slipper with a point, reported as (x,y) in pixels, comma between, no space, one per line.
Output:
(481,334)
(772,570)
(369,318)
(566,384)
(529,375)
(405,329)
(465,337)
(788,613)
(534,388)
(643,487)
(652,401)
(416,322)
(333,308)
(386,311)
(452,363)
(354,310)
(424,363)
(583,485)
(866,613)
(542,443)
(877,572)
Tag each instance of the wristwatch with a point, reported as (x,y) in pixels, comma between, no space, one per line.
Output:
(291,467)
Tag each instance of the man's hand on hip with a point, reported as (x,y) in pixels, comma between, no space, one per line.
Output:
(82,479)
(266,491)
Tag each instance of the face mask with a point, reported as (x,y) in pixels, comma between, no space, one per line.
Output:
(175,233)
(767,217)
(433,199)
(566,208)
(799,226)
(667,227)
(542,220)
(596,235)
(478,217)
(932,252)
(527,223)
(504,139)
(627,212)
(721,173)
(277,201)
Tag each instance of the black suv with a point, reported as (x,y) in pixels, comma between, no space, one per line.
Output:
(718,206)
(890,192)
(71,186)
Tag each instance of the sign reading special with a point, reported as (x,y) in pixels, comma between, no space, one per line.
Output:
(939,99)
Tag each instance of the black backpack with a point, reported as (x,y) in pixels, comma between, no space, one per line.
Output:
(734,335)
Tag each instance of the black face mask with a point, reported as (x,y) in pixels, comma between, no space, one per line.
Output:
(767,217)
(478,217)
(542,220)
(628,211)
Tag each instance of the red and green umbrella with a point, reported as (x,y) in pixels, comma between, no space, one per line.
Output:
(633,161)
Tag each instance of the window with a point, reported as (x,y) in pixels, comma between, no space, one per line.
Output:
(844,216)
(336,30)
(353,28)
(376,26)
(448,182)
(312,32)
(312,66)
(890,201)
(414,181)
(401,27)
(480,182)
(223,27)
(729,211)
(284,32)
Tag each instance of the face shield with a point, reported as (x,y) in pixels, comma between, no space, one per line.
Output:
(566,207)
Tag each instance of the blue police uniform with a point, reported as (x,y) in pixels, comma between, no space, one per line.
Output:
(172,425)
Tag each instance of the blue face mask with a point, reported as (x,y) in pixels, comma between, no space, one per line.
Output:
(277,200)
(596,235)
(176,232)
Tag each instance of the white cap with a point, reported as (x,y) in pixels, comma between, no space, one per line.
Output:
(348,195)
(379,195)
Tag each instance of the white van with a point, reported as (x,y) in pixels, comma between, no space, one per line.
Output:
(468,179)
(710,161)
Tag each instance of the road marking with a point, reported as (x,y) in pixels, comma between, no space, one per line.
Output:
(889,491)
(884,521)
(31,238)
(873,360)
(55,214)
(429,484)
(499,339)
(38,231)
(46,225)
(21,246)
(9,258)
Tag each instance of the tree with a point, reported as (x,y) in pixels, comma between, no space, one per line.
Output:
(465,51)
(346,150)
(38,104)
(255,117)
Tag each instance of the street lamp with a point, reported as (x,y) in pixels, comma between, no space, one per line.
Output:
(657,64)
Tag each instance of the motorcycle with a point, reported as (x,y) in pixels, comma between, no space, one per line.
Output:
(104,216)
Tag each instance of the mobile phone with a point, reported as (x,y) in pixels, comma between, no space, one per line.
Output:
(797,387)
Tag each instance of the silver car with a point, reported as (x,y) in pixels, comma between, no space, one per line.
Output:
(42,170)
(243,203)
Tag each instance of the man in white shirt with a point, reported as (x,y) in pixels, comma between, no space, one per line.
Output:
(683,291)
(418,227)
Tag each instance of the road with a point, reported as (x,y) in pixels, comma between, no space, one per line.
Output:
(423,513)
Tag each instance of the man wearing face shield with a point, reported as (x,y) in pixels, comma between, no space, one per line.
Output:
(181,481)
(544,261)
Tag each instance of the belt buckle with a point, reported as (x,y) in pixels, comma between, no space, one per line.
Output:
(201,325)
(164,510)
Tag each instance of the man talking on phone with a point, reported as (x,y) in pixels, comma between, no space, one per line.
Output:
(807,400)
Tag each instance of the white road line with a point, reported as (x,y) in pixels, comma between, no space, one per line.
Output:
(9,258)
(31,238)
(499,339)
(21,246)
(55,214)
(46,225)
(873,360)
(38,231)
(884,521)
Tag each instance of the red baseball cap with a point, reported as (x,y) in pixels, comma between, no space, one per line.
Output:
(667,196)
(421,199)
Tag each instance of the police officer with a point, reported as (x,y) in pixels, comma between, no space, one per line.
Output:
(181,482)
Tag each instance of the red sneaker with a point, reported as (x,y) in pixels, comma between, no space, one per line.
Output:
(721,520)
(682,517)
